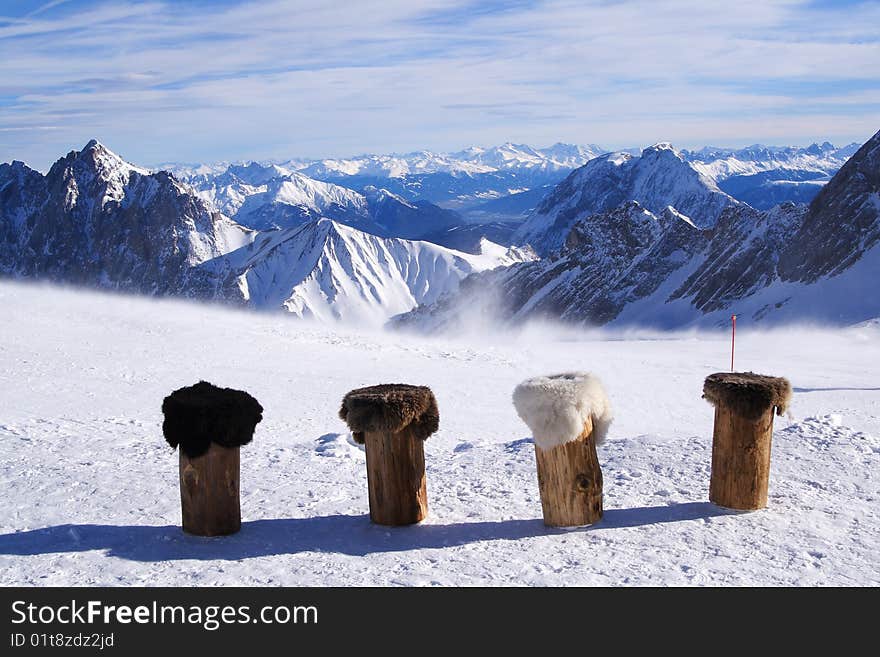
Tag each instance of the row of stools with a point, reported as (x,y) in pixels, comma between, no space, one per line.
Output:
(568,415)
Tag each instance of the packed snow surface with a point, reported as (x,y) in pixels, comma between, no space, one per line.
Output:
(91,494)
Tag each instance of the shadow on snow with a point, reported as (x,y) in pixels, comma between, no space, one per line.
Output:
(342,534)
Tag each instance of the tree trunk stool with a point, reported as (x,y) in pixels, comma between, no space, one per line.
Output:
(392,421)
(210,424)
(568,414)
(744,405)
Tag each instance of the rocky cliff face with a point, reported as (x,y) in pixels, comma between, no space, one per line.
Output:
(843,222)
(741,257)
(609,260)
(96,220)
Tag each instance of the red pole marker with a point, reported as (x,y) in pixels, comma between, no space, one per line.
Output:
(732,339)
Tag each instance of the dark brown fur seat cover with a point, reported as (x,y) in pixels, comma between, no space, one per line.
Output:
(201,414)
(746,393)
(389,408)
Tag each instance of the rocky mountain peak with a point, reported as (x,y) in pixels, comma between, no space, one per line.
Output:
(95,172)
(661,148)
(660,177)
(98,157)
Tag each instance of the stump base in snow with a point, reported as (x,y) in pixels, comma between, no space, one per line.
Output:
(396,478)
(570,482)
(209,492)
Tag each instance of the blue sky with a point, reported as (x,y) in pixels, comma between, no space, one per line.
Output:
(210,80)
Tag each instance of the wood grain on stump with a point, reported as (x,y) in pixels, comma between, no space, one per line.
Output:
(396,477)
(209,492)
(570,482)
(740,459)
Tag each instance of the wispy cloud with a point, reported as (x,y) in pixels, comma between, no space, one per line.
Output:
(217,80)
(46,7)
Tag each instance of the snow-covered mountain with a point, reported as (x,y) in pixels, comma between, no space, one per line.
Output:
(764,176)
(456,180)
(647,238)
(471,160)
(98,220)
(327,271)
(571,156)
(187,171)
(393,216)
(267,197)
(722,163)
(501,183)
(609,259)
(630,265)
(843,224)
(521,156)
(390,166)
(657,179)
(292,199)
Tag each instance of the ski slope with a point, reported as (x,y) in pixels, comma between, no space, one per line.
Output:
(90,488)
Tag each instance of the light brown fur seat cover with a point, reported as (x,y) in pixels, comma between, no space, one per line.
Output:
(389,408)
(746,393)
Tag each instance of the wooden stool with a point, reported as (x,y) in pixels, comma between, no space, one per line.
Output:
(210,424)
(569,415)
(744,406)
(393,421)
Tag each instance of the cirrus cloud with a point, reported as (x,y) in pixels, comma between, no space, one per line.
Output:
(220,79)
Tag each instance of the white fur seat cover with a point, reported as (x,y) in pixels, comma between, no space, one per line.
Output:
(556,407)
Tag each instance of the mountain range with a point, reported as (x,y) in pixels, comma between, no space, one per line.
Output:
(267,198)
(504,183)
(639,237)
(96,220)
(472,160)
(461,181)
(644,264)
(764,176)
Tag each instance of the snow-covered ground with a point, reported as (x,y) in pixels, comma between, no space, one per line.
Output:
(90,489)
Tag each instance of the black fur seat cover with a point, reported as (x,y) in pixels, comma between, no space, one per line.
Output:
(198,415)
(746,393)
(389,408)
